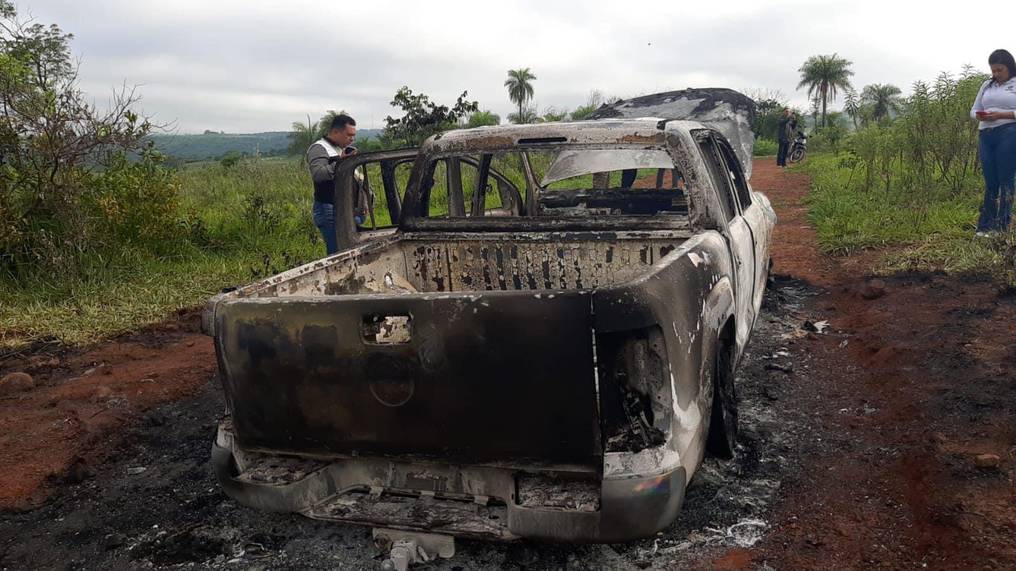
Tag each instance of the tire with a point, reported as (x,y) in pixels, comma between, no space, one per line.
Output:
(722,439)
(797,155)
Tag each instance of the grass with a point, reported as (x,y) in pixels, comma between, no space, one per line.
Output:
(250,221)
(79,313)
(929,229)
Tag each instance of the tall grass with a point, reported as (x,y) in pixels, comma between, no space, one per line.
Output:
(848,217)
(926,228)
(235,225)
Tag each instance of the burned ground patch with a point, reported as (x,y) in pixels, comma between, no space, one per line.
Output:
(158,504)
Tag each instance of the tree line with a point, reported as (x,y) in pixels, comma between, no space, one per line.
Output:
(422,117)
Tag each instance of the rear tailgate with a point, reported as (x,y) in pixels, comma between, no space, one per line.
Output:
(500,376)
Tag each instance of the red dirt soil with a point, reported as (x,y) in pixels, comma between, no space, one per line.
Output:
(919,377)
(82,401)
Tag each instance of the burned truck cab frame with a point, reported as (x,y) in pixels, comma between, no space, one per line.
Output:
(502,376)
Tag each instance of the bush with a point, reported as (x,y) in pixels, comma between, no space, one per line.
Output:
(931,145)
(134,204)
(68,193)
(765,147)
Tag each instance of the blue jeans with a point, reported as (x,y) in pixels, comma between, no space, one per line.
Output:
(781,153)
(324,219)
(998,161)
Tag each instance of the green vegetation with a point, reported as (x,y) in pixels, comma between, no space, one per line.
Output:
(182,149)
(765,147)
(422,118)
(71,198)
(882,99)
(483,119)
(229,227)
(913,183)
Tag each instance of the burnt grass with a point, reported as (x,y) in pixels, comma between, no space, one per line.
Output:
(156,504)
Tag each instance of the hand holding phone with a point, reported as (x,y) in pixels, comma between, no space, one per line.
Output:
(982,114)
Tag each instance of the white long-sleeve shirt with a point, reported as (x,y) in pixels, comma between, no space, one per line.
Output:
(994,97)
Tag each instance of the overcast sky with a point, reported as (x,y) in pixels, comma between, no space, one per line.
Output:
(258,65)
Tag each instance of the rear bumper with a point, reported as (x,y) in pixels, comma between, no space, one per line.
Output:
(471,501)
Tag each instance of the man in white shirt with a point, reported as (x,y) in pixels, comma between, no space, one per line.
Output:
(322,158)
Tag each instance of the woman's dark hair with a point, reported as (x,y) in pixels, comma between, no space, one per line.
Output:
(1005,58)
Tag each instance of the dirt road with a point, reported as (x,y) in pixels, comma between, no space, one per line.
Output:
(859,450)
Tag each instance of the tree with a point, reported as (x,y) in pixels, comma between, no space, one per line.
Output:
(593,102)
(483,119)
(823,75)
(883,100)
(852,105)
(769,104)
(520,90)
(552,115)
(528,115)
(423,118)
(303,135)
(67,188)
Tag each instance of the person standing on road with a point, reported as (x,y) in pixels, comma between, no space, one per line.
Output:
(322,158)
(995,109)
(784,135)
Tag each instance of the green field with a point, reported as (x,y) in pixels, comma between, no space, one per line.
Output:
(926,228)
(250,221)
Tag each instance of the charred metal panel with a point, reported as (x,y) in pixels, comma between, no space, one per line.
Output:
(474,380)
(428,266)
(459,518)
(730,112)
(686,295)
(514,265)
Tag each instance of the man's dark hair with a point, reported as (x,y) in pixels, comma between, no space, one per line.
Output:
(341,120)
(1005,58)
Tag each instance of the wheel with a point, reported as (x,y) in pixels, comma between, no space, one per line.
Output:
(797,155)
(722,438)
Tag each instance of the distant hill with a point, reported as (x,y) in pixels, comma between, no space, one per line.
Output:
(213,146)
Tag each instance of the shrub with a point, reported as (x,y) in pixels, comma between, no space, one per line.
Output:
(69,192)
(765,147)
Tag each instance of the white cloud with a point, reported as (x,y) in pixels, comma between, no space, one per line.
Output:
(260,65)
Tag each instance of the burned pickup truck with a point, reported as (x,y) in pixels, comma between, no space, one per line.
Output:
(544,348)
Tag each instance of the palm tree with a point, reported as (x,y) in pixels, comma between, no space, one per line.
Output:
(883,99)
(823,75)
(302,136)
(520,89)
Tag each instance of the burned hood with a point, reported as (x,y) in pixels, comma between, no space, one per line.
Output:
(728,111)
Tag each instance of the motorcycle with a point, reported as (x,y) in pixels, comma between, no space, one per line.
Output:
(799,148)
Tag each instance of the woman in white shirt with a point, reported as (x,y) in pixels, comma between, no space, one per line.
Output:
(995,109)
